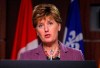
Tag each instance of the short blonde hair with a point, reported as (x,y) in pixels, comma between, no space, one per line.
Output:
(43,10)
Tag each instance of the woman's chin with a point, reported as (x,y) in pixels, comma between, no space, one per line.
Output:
(49,41)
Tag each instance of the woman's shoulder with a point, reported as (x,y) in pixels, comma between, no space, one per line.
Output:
(31,51)
(76,53)
(69,49)
(72,50)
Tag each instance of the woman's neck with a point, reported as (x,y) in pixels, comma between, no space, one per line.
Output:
(52,50)
(51,46)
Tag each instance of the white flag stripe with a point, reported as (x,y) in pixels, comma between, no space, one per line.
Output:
(31,45)
(65,34)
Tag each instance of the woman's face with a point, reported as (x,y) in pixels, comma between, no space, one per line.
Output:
(47,29)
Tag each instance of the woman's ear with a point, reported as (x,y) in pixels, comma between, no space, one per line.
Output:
(59,27)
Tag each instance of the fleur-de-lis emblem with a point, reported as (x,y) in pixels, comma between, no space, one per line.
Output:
(73,39)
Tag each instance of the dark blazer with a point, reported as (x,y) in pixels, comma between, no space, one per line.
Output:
(66,53)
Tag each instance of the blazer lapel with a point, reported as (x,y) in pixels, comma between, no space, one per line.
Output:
(63,52)
(40,53)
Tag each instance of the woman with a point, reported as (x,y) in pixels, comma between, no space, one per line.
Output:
(47,22)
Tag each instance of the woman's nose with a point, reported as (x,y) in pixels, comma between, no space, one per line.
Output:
(46,29)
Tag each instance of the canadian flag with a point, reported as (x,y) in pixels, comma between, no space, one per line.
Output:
(25,35)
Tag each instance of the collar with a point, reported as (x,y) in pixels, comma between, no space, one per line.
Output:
(63,48)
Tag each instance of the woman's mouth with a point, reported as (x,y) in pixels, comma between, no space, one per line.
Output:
(47,36)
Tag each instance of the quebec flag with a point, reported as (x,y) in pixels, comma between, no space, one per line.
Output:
(73,36)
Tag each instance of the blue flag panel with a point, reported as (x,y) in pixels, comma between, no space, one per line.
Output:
(73,36)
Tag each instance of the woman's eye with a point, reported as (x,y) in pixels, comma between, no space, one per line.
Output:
(50,23)
(40,26)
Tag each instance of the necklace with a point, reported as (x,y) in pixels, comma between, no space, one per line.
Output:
(52,53)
